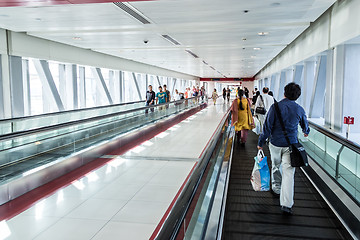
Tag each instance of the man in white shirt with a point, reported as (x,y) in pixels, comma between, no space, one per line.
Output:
(265,101)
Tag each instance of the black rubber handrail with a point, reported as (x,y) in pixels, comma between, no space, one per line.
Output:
(67,111)
(336,137)
(9,136)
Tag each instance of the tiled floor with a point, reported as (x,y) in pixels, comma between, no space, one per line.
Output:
(126,198)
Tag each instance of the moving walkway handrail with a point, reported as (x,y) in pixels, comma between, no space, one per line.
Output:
(173,222)
(336,137)
(67,111)
(340,139)
(13,135)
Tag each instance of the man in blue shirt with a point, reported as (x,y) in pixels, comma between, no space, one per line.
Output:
(161,97)
(282,173)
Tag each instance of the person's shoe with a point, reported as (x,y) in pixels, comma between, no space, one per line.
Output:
(286,211)
(243,144)
(275,194)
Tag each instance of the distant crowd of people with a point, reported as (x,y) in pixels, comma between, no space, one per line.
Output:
(164,96)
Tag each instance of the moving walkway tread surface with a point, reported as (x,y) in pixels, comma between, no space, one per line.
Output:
(256,215)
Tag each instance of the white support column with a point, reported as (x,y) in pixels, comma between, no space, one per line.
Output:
(120,76)
(71,86)
(337,88)
(26,84)
(112,88)
(99,77)
(2,100)
(282,83)
(50,91)
(17,89)
(82,88)
(116,86)
(63,85)
(146,81)
(309,75)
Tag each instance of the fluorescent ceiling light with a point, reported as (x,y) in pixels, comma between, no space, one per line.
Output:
(263,33)
(257,48)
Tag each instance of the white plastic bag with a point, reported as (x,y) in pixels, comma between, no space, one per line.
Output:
(260,177)
(257,129)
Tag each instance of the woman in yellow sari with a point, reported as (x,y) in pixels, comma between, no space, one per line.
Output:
(242,118)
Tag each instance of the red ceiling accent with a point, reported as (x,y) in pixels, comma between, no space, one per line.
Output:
(226,79)
(35,3)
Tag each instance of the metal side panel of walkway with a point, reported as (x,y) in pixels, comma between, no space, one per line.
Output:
(257,215)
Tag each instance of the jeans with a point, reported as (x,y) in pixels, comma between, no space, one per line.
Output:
(282,175)
(147,110)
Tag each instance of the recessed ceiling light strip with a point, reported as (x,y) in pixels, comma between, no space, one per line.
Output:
(170,39)
(192,54)
(133,12)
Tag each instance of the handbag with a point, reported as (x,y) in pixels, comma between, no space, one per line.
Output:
(261,110)
(298,154)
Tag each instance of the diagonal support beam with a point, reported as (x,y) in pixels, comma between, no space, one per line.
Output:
(43,70)
(137,85)
(173,88)
(98,75)
(158,79)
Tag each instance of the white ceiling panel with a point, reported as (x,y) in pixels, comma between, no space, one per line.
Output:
(218,32)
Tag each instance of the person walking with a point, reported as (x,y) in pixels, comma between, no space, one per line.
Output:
(150,99)
(264,101)
(282,173)
(224,94)
(242,118)
(254,99)
(161,97)
(167,93)
(228,94)
(176,95)
(246,92)
(214,96)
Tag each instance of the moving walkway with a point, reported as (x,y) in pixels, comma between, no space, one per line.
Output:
(218,201)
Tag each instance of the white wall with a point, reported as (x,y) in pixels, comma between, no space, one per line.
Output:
(337,25)
(24,45)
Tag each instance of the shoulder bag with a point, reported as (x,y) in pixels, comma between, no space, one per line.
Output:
(261,110)
(298,154)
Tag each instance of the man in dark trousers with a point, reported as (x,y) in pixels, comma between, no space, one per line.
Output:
(282,173)
(150,98)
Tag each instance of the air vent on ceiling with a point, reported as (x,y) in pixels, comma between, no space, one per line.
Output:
(170,39)
(132,12)
(192,54)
